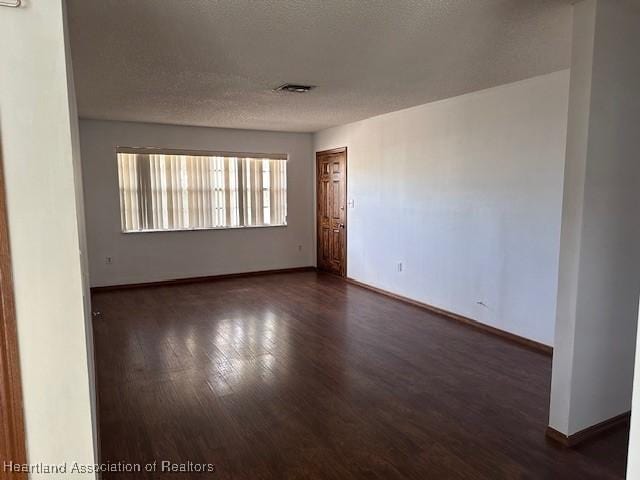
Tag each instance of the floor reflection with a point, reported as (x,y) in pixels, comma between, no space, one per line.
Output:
(305,376)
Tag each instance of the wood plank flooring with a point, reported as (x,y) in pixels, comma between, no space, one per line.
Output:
(304,376)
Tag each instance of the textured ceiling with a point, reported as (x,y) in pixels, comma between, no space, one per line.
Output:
(215,63)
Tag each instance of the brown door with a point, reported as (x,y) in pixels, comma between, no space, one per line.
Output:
(12,439)
(332,210)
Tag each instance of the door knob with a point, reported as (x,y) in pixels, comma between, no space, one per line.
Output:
(342,225)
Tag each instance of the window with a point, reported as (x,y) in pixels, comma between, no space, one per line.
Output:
(190,191)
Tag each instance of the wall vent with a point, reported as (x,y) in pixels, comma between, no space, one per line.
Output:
(294,88)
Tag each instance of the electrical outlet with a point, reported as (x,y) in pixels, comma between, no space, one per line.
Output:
(108,260)
(399,267)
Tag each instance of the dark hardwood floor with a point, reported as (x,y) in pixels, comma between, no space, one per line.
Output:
(303,376)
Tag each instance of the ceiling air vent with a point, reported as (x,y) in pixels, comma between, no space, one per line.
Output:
(291,87)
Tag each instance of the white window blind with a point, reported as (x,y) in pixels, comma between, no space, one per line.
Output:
(162,191)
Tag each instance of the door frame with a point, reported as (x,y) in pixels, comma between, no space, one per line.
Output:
(346,202)
(12,430)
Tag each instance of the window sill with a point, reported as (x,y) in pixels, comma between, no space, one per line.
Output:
(128,232)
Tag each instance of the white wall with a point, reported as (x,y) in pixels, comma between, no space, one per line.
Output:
(147,257)
(570,239)
(37,118)
(82,231)
(467,193)
(600,249)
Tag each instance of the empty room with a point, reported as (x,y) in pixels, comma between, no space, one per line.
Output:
(311,239)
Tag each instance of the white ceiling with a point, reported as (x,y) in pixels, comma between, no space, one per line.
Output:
(215,63)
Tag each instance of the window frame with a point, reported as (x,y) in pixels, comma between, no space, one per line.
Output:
(284,157)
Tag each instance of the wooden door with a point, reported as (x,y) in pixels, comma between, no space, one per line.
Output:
(12,436)
(331,174)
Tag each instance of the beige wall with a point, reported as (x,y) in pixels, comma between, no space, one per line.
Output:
(37,118)
(148,257)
